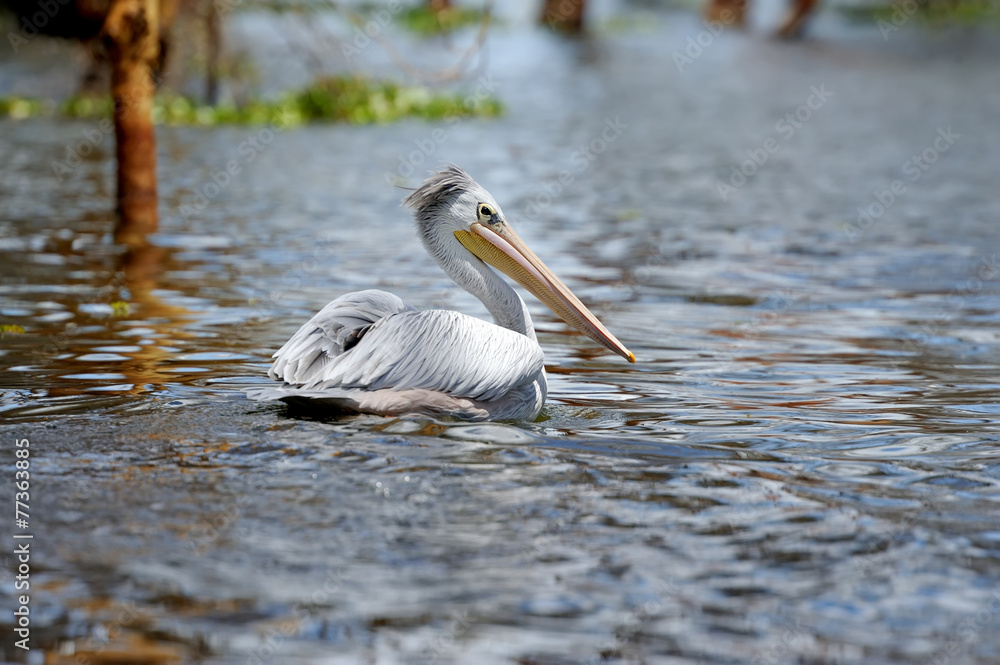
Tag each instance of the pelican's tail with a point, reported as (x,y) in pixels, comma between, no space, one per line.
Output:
(381,402)
(337,401)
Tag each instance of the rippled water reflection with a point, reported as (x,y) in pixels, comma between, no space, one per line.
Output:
(802,466)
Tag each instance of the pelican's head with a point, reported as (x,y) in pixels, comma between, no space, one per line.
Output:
(451,205)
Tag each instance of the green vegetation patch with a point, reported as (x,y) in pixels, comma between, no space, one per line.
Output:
(932,12)
(360,101)
(423,21)
(24,107)
(631,23)
(352,99)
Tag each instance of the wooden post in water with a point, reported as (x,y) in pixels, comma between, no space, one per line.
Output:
(213,39)
(131,35)
(564,15)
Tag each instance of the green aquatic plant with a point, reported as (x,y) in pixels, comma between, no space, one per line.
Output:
(353,99)
(892,14)
(357,101)
(22,107)
(630,23)
(427,22)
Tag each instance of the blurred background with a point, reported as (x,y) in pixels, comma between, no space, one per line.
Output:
(788,212)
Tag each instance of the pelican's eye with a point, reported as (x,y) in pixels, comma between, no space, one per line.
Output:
(487,215)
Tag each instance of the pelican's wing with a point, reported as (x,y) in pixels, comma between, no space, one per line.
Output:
(436,350)
(335,329)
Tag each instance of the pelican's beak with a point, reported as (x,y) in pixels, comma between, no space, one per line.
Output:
(504,250)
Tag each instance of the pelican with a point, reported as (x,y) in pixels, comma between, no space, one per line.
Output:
(370,352)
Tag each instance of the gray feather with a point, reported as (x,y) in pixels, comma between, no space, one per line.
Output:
(382,402)
(335,329)
(371,352)
(448,352)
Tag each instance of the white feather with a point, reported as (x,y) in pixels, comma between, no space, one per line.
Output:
(371,352)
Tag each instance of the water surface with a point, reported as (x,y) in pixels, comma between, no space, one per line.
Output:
(801,467)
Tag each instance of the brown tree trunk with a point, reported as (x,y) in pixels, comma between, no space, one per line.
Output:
(439,5)
(798,14)
(214,44)
(564,15)
(730,13)
(132,38)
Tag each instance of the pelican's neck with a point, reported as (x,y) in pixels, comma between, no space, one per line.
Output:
(500,298)
(507,307)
